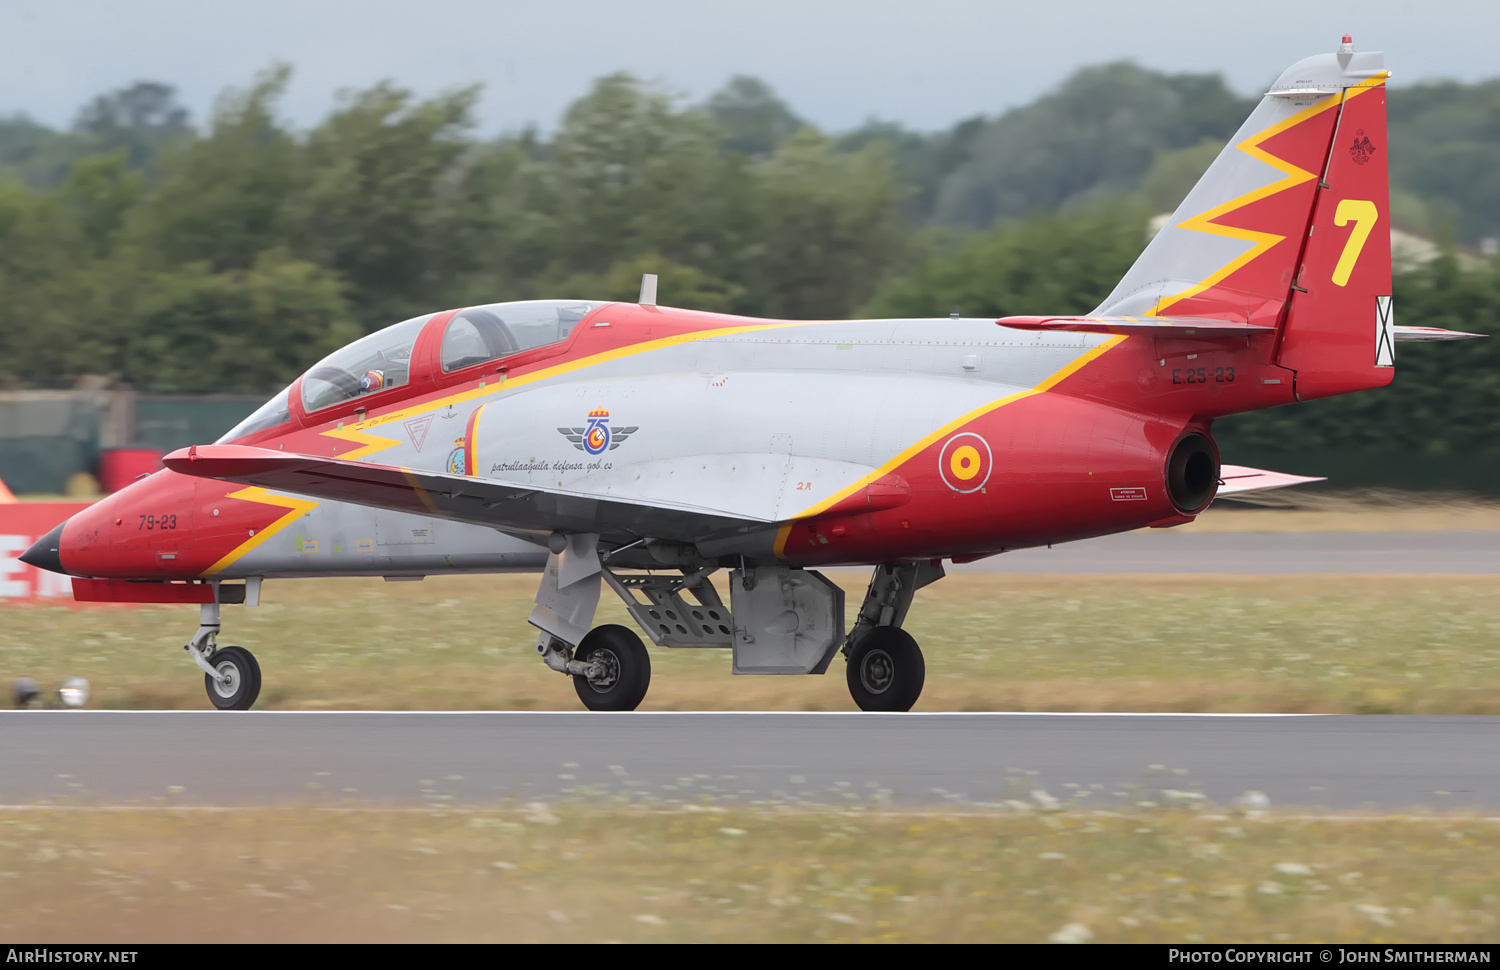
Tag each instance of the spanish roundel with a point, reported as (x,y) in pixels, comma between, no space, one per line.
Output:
(965,462)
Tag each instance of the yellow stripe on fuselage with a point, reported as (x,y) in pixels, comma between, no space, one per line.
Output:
(907,453)
(298,507)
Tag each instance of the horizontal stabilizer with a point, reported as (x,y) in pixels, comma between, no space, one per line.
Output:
(1160,326)
(497,504)
(1238,478)
(1433,333)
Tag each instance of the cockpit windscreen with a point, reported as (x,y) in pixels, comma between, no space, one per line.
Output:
(278,410)
(374,363)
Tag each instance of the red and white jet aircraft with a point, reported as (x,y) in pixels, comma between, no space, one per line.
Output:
(648,448)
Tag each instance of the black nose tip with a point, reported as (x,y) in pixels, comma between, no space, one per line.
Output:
(45,552)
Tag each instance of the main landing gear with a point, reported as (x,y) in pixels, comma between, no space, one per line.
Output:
(611,669)
(231,675)
(781,620)
(885,668)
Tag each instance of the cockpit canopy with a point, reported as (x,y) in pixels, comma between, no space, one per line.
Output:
(384,359)
(484,333)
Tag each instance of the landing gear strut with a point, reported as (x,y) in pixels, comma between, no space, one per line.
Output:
(610,667)
(231,675)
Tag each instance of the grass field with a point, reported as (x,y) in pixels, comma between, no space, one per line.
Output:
(1356,644)
(598,873)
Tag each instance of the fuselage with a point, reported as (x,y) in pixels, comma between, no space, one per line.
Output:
(828,441)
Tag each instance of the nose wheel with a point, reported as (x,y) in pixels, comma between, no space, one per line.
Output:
(235,683)
(886,670)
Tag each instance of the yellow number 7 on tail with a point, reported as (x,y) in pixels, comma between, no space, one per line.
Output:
(1364,215)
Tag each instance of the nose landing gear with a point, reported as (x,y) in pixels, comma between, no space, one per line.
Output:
(231,675)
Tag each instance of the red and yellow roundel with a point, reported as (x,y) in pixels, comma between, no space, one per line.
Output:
(965,462)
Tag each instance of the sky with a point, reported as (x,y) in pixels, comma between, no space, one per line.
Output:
(923,63)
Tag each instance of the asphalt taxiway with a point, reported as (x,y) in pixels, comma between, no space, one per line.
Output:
(1341,763)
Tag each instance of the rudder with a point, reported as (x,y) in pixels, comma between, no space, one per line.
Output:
(1339,333)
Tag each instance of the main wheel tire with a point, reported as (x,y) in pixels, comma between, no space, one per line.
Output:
(886,671)
(241,676)
(628,669)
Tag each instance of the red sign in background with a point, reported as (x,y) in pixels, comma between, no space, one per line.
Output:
(21,524)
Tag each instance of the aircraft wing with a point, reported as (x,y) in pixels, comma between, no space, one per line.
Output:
(1238,478)
(513,507)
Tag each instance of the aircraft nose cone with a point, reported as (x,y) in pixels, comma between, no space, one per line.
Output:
(45,553)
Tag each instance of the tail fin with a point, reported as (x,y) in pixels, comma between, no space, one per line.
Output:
(1289,228)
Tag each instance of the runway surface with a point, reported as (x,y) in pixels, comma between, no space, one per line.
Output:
(1175,551)
(209,758)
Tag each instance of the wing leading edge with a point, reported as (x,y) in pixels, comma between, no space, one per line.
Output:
(521,508)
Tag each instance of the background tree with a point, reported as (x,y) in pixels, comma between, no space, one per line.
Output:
(754,120)
(224,196)
(139,120)
(1045,264)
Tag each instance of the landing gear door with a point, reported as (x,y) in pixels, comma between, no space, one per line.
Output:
(786,621)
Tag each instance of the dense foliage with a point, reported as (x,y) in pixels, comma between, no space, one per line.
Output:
(228,259)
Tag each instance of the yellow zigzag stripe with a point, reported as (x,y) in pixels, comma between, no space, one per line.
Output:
(298,507)
(1292,176)
(1072,367)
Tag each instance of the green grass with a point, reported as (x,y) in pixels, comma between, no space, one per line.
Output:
(595,872)
(1356,644)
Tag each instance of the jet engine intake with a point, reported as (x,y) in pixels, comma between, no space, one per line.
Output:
(1192,473)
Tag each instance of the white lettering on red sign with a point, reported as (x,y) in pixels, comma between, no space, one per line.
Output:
(19,581)
(1128,494)
(15,575)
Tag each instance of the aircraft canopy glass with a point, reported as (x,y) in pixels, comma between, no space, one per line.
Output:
(278,410)
(485,333)
(374,363)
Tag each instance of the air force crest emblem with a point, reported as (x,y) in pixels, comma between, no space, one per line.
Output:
(1363,149)
(597,437)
